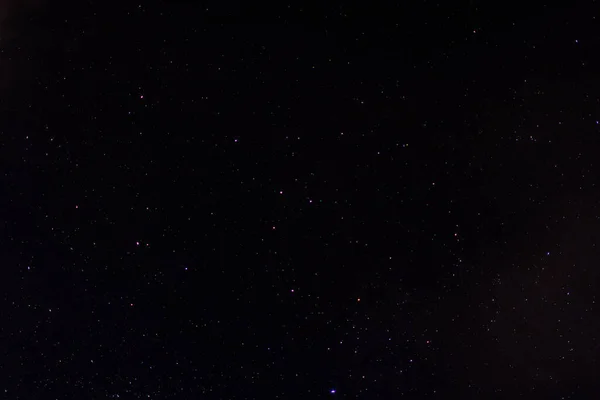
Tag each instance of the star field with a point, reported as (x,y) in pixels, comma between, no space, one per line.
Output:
(332,202)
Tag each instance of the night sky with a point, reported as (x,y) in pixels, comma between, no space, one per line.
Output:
(235,202)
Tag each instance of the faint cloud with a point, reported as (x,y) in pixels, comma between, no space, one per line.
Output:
(13,16)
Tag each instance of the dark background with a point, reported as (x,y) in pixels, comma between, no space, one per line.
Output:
(221,201)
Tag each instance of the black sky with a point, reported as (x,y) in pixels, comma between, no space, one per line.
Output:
(225,202)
